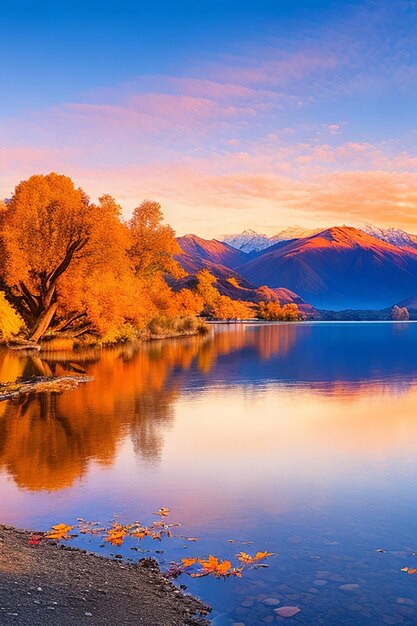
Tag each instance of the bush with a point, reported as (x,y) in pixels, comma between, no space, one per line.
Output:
(161,326)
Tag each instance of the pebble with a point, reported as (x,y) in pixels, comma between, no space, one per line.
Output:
(88,614)
(349,587)
(287,611)
(271,601)
(406,601)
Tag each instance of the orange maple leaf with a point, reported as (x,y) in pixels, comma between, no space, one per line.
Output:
(213,566)
(259,556)
(188,562)
(245,558)
(59,531)
(116,534)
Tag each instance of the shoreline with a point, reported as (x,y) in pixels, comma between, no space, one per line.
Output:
(50,583)
(23,345)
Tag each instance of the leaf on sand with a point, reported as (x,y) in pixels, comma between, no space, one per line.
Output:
(35,540)
(287,611)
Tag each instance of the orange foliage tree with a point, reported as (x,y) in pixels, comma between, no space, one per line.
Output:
(153,243)
(53,239)
(216,305)
(273,312)
(71,265)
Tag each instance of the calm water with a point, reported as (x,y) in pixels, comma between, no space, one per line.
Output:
(300,438)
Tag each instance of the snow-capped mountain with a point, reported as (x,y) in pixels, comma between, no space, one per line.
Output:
(395,236)
(248,241)
(251,241)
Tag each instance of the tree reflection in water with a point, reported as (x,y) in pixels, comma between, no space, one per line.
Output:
(48,441)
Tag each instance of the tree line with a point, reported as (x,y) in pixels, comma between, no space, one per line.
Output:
(71,265)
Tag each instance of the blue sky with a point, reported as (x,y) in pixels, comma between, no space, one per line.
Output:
(231,114)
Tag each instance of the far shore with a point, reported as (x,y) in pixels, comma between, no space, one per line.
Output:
(45,584)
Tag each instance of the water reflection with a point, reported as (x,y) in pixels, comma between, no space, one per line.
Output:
(48,441)
(300,438)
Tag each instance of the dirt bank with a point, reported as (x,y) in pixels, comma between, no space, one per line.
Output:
(51,585)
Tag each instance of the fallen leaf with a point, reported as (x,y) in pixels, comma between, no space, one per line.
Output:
(59,531)
(259,556)
(157,536)
(116,534)
(188,562)
(35,540)
(163,511)
(245,558)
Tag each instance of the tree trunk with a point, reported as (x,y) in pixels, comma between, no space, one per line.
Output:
(44,321)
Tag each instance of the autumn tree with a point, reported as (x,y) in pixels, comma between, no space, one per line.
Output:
(153,243)
(188,302)
(55,244)
(45,227)
(216,305)
(274,312)
(400,313)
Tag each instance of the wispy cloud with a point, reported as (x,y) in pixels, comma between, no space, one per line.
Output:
(276,133)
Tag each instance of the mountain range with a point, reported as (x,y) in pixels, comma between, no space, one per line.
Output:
(251,241)
(336,268)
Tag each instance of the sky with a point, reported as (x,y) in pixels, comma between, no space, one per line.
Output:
(233,114)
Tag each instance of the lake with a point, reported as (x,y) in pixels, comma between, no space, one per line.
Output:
(299,438)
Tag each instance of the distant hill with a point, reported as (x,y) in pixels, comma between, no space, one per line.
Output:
(409,303)
(338,268)
(211,250)
(199,254)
